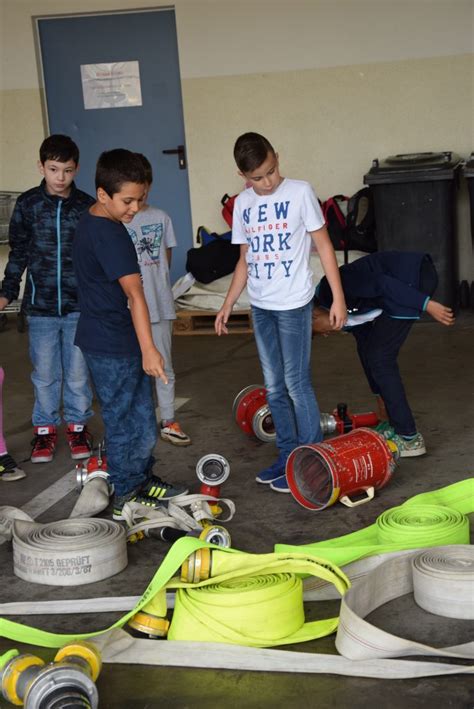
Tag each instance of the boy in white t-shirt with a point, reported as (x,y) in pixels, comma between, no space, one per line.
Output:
(274,221)
(153,236)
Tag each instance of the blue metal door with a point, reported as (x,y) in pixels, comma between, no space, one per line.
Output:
(146,37)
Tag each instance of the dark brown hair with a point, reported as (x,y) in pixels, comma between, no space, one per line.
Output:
(251,150)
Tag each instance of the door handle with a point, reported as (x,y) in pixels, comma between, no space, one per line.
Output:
(179,151)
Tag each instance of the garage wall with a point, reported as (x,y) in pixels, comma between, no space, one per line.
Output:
(332,83)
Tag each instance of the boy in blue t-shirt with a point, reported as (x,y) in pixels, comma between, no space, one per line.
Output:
(385,293)
(114,331)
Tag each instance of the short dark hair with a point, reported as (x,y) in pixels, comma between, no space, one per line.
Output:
(251,150)
(116,167)
(58,147)
(147,167)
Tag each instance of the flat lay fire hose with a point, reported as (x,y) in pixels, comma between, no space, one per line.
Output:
(211,575)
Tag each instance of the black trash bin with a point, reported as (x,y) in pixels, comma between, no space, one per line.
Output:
(469,175)
(415,210)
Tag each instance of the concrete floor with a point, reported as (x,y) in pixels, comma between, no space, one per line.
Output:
(438,368)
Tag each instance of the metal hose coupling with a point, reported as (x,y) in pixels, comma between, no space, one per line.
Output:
(198,566)
(95,467)
(68,681)
(212,533)
(212,471)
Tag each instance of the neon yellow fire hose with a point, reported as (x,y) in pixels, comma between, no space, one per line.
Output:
(426,520)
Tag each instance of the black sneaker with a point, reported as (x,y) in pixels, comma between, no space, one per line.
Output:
(157,490)
(151,494)
(9,470)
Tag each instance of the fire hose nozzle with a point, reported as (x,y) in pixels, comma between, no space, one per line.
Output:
(212,470)
(67,681)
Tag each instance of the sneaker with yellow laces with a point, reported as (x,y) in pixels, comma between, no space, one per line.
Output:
(172,432)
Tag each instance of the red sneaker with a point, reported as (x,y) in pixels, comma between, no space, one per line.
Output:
(44,444)
(79,440)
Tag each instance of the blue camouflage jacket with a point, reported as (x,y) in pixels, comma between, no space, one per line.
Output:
(42,228)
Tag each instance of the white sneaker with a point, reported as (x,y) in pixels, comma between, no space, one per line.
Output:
(173,433)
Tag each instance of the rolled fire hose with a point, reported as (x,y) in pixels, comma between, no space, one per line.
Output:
(458,494)
(243,565)
(429,519)
(69,552)
(427,574)
(364,648)
(119,647)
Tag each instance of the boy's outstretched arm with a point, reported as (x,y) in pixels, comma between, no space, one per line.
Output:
(239,279)
(152,359)
(338,311)
(440,312)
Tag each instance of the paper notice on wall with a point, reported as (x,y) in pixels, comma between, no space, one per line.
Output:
(113,85)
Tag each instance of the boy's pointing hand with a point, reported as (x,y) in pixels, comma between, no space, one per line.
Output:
(153,365)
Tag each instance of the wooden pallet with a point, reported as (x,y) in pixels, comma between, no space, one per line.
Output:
(201,322)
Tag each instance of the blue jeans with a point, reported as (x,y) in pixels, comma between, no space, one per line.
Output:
(128,412)
(283,340)
(58,365)
(378,345)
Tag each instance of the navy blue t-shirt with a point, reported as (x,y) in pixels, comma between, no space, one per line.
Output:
(102,253)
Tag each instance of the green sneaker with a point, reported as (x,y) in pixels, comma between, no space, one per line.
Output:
(409,448)
(385,429)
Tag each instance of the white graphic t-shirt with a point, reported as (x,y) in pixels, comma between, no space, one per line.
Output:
(152,233)
(276,227)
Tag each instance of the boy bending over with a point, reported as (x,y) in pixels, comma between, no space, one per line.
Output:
(114,331)
(385,293)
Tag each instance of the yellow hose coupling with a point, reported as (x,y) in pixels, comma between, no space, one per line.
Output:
(67,681)
(150,625)
(13,677)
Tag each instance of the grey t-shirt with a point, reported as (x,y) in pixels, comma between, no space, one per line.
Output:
(152,233)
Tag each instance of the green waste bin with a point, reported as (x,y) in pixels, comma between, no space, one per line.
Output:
(414,202)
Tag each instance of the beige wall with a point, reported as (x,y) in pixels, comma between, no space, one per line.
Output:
(333,83)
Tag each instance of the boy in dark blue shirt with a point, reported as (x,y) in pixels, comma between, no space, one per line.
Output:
(385,293)
(114,331)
